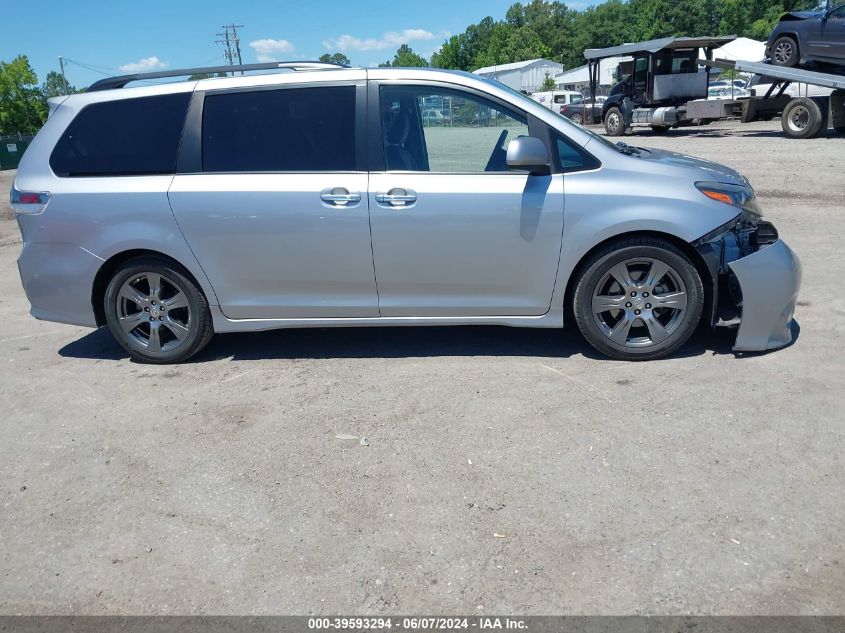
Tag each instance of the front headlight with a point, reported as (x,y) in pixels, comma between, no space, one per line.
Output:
(741,196)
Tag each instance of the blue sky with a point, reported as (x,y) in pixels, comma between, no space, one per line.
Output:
(117,37)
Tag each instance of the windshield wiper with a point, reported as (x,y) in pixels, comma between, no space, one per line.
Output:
(628,150)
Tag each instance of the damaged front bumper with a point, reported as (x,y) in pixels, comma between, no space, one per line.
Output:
(756,282)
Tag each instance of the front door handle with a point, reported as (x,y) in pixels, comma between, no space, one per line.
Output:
(339,197)
(397,197)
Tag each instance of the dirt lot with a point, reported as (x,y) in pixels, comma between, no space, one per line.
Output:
(507,470)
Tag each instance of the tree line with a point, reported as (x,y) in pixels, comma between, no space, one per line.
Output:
(554,31)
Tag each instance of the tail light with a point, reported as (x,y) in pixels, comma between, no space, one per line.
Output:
(28,202)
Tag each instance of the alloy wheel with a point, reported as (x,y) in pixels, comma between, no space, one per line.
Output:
(783,52)
(639,302)
(153,312)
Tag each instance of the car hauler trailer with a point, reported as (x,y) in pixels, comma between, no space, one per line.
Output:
(801,117)
(655,86)
(662,88)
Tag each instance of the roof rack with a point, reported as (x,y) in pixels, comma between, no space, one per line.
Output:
(119,82)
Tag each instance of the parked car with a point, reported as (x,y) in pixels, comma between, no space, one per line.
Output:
(317,198)
(803,37)
(759,85)
(588,110)
(433,117)
(727,92)
(553,99)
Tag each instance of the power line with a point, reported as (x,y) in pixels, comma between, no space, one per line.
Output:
(232,42)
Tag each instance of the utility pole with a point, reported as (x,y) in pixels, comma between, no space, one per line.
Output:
(64,79)
(231,40)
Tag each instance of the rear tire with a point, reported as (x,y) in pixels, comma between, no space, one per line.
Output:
(156,312)
(784,51)
(802,118)
(614,122)
(638,298)
(577,118)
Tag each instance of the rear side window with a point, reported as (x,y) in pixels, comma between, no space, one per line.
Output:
(127,137)
(288,129)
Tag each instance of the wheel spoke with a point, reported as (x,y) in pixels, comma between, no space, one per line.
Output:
(130,293)
(604,303)
(179,300)
(131,321)
(619,333)
(154,279)
(657,271)
(674,300)
(656,330)
(179,331)
(621,274)
(154,344)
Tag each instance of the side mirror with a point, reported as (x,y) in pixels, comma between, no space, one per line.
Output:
(529,153)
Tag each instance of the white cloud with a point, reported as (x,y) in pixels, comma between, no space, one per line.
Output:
(144,65)
(268,49)
(391,39)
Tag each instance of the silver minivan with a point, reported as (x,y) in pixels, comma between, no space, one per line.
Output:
(321,196)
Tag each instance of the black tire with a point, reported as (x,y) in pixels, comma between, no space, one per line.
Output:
(179,333)
(784,51)
(577,118)
(614,122)
(653,332)
(840,129)
(802,118)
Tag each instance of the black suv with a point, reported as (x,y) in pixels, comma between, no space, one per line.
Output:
(803,37)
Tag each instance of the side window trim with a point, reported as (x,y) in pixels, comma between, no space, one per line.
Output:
(189,158)
(376,157)
(553,136)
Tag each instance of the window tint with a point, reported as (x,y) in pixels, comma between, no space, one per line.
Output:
(123,137)
(572,157)
(288,129)
(441,130)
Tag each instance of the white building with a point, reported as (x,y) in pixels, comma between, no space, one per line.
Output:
(579,78)
(528,75)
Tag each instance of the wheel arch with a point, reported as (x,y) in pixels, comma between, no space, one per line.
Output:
(109,266)
(684,246)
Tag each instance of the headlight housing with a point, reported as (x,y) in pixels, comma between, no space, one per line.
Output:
(741,196)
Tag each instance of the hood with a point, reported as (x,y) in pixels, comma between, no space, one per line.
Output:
(714,171)
(798,15)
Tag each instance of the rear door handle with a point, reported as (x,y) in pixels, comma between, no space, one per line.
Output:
(339,197)
(397,197)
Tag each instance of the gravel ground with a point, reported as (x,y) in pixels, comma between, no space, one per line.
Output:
(506,470)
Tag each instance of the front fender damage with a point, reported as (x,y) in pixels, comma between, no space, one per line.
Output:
(756,279)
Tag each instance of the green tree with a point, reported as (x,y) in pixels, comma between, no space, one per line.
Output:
(406,57)
(22,106)
(548,83)
(335,58)
(54,85)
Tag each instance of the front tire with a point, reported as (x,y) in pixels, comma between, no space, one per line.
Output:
(614,122)
(156,312)
(638,299)
(784,51)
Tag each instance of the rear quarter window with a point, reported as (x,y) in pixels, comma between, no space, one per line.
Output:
(125,137)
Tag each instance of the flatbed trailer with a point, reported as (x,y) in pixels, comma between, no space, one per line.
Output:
(801,117)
